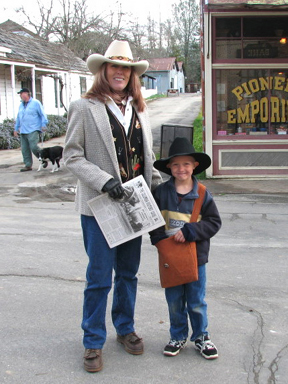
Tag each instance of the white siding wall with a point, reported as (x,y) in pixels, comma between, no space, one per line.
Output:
(71,92)
(48,97)
(173,79)
(6,93)
(181,81)
(148,92)
(75,85)
(3,102)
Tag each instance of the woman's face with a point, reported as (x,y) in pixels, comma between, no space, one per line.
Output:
(118,76)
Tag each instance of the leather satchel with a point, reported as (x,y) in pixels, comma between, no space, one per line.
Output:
(178,261)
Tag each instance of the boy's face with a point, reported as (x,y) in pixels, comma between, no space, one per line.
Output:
(182,167)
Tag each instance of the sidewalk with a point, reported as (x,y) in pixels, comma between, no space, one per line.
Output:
(13,157)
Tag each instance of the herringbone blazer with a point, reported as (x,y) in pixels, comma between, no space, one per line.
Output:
(89,151)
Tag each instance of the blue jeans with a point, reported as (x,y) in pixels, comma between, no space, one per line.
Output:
(29,143)
(188,300)
(125,260)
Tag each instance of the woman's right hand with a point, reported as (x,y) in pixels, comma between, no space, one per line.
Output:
(114,189)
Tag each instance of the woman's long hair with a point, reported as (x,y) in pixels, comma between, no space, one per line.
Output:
(101,88)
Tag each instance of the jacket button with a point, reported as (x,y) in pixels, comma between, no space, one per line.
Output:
(166,265)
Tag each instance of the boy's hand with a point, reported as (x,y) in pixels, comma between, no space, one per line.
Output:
(179,237)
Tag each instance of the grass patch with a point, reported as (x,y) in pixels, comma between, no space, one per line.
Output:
(198,133)
(198,140)
(157,96)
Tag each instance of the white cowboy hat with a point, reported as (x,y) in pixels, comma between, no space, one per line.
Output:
(118,52)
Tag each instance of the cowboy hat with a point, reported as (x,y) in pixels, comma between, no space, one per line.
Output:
(118,52)
(182,147)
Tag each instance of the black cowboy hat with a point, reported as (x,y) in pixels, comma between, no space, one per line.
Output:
(182,147)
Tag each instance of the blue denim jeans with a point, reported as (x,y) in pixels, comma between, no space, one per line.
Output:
(188,300)
(125,260)
(29,143)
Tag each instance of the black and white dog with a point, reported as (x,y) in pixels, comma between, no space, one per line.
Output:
(54,154)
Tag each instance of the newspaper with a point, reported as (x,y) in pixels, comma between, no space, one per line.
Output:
(133,215)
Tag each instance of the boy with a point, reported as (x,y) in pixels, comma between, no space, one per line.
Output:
(175,199)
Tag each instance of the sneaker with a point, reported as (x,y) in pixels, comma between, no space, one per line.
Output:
(174,347)
(206,348)
(93,360)
(132,343)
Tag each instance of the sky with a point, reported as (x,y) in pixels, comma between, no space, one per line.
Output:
(141,10)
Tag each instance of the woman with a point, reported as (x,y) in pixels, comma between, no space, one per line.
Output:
(108,142)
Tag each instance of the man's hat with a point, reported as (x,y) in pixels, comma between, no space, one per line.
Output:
(119,53)
(24,90)
(182,147)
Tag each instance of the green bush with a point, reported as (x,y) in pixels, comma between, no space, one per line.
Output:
(56,127)
(157,96)
(198,140)
(7,140)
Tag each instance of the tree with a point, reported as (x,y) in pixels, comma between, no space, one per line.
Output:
(71,25)
(187,31)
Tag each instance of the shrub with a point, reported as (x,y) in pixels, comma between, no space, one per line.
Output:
(56,127)
(7,140)
(198,139)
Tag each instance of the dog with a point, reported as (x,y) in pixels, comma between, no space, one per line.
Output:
(54,154)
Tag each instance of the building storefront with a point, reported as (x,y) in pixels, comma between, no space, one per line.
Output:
(245,87)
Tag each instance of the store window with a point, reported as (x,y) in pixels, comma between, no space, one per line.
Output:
(251,102)
(250,38)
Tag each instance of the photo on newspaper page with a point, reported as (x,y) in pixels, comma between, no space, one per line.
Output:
(131,216)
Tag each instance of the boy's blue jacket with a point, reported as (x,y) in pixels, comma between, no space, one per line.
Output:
(179,215)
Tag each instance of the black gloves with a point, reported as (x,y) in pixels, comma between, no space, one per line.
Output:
(114,189)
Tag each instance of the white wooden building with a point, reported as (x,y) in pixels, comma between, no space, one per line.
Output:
(51,71)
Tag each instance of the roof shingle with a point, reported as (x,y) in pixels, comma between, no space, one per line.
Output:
(29,48)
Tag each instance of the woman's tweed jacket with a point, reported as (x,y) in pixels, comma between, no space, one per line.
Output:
(89,151)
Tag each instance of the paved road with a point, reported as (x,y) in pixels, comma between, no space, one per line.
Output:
(182,110)
(42,277)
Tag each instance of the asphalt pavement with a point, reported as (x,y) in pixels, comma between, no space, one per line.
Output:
(42,277)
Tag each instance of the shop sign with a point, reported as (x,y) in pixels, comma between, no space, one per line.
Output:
(260,108)
(259,51)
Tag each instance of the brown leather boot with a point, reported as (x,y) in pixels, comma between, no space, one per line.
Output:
(132,343)
(93,360)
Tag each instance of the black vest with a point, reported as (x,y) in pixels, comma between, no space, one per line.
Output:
(129,148)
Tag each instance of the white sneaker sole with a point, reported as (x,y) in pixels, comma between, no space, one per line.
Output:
(167,353)
(207,357)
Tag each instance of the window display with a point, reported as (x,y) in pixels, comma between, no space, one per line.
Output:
(251,102)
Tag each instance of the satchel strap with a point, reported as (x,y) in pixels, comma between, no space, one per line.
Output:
(198,203)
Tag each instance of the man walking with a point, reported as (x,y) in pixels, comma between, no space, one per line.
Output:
(30,122)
